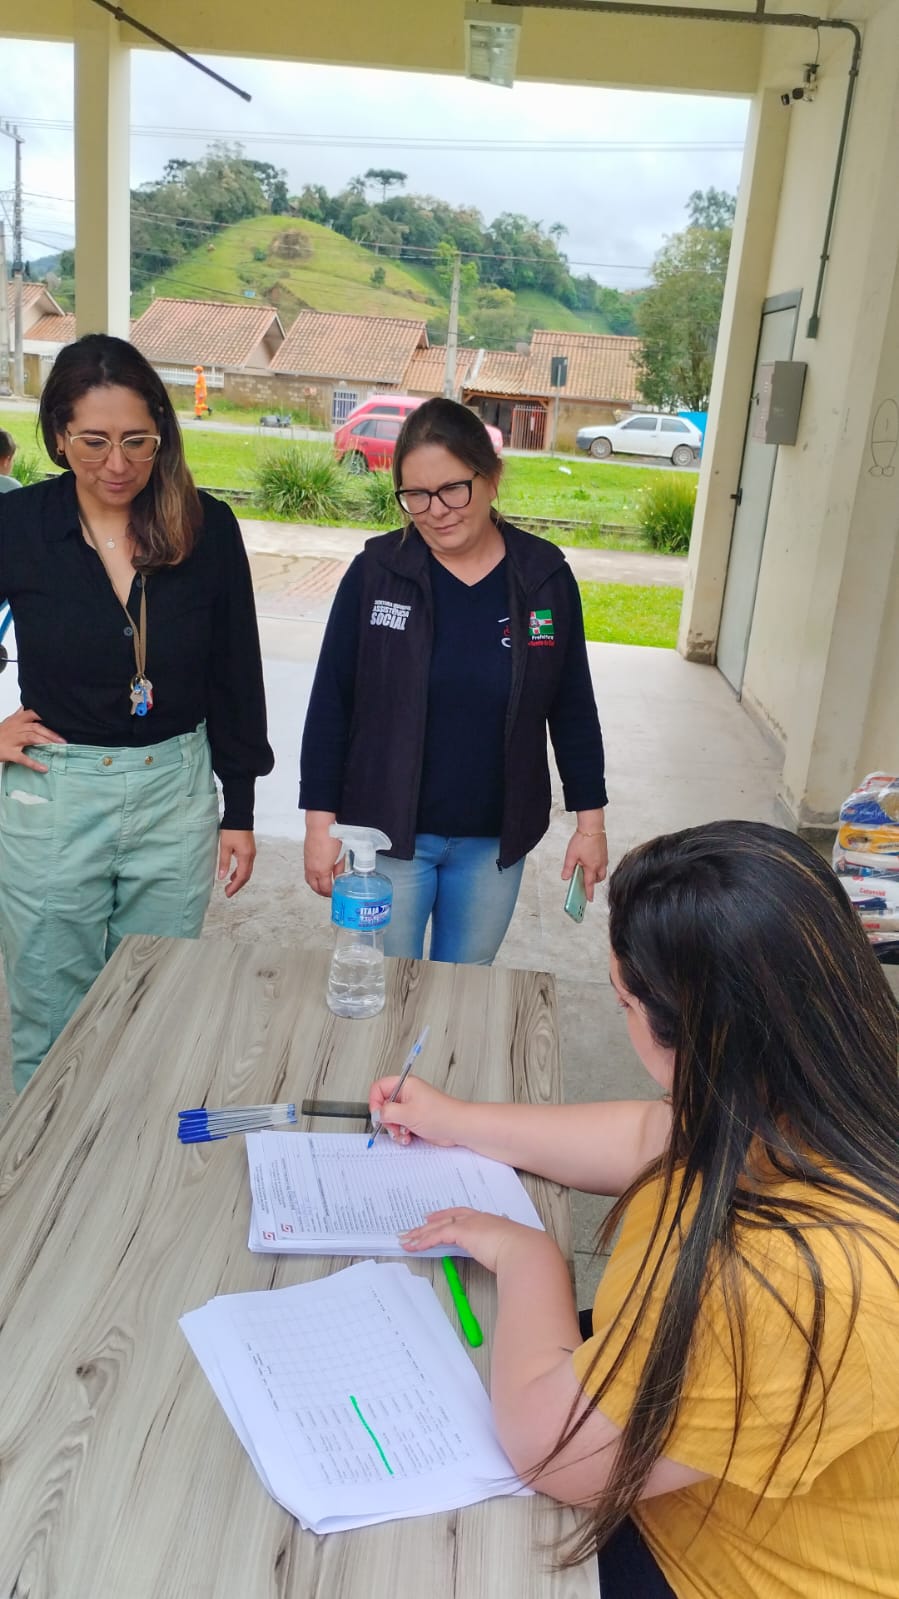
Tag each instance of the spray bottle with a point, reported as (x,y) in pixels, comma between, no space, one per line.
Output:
(360,910)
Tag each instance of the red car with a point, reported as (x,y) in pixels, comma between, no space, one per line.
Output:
(367,439)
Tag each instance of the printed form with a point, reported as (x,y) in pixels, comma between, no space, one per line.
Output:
(328,1193)
(353,1397)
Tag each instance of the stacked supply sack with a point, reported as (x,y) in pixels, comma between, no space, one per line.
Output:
(866,857)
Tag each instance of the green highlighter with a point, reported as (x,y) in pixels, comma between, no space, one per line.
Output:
(467,1317)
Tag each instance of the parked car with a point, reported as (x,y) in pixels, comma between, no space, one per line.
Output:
(367,439)
(672,437)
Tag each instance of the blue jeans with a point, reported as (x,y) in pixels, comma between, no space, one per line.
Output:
(457,883)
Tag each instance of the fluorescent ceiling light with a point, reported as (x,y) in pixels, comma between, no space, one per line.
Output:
(491,42)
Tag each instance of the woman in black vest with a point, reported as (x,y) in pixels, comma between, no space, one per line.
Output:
(452,645)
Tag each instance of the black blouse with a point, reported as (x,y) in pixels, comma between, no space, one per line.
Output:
(76,652)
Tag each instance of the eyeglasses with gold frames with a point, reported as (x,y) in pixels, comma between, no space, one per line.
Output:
(95,447)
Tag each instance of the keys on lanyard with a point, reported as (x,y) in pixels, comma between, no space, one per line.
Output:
(141,696)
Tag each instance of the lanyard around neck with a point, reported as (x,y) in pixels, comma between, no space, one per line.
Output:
(138,634)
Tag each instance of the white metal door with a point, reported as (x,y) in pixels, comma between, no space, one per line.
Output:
(753,496)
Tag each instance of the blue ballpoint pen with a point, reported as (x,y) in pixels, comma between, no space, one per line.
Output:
(414,1052)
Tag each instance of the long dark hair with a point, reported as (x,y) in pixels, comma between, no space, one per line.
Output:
(166,515)
(457,429)
(752,966)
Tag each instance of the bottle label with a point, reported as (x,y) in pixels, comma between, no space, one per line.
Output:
(366,915)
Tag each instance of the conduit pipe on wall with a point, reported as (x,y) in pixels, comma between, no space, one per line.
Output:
(759,18)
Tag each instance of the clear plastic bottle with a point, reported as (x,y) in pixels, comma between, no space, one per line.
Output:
(360,910)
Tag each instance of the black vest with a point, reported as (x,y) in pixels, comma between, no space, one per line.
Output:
(383,766)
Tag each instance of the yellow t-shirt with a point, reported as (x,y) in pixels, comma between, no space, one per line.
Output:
(827,1526)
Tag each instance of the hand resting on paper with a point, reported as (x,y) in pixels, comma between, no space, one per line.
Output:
(490,1240)
(420,1109)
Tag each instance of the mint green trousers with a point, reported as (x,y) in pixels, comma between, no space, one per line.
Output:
(107,842)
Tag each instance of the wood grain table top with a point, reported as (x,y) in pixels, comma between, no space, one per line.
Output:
(120,1477)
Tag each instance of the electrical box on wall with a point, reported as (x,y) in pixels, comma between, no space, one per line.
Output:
(778,401)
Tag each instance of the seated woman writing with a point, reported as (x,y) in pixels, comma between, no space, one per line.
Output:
(732,1423)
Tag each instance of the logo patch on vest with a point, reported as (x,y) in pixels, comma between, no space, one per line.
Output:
(386,613)
(540,628)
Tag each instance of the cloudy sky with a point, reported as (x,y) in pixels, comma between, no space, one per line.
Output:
(614,167)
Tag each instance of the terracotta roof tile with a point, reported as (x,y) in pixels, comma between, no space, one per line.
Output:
(600,365)
(330,344)
(53,329)
(30,293)
(424,374)
(500,372)
(204,332)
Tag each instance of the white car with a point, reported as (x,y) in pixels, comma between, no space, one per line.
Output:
(672,437)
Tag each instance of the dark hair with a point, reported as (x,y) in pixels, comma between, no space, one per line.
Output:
(166,515)
(457,428)
(7,444)
(753,967)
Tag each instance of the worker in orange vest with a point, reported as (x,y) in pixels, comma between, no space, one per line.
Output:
(201,408)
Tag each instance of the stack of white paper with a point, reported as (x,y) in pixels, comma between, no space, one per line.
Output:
(353,1397)
(329,1194)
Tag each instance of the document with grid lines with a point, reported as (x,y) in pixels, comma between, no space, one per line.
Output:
(353,1397)
(329,1194)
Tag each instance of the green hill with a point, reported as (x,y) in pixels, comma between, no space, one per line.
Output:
(296,265)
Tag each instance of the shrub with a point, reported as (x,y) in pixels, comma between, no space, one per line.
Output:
(305,484)
(377,276)
(28,468)
(666,512)
(377,501)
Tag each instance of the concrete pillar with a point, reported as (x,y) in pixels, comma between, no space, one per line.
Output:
(744,294)
(102,191)
(843,716)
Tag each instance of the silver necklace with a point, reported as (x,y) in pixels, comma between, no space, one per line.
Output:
(111,544)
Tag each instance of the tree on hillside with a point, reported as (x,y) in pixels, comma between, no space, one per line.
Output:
(678,315)
(712,209)
(371,227)
(388,177)
(493,319)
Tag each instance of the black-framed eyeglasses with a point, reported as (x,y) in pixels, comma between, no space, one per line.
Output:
(455,496)
(88,447)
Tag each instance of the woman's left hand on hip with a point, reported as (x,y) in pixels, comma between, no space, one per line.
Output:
(241,848)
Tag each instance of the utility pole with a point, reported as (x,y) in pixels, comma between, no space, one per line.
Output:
(19,355)
(452,332)
(4,318)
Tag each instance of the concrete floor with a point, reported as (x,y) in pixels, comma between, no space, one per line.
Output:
(679,751)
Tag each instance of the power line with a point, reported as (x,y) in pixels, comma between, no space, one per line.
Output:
(412,141)
(392,251)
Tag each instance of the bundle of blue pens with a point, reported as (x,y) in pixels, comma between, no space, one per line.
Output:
(202,1126)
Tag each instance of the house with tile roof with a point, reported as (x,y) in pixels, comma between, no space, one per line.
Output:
(178,335)
(512,389)
(331,361)
(45,329)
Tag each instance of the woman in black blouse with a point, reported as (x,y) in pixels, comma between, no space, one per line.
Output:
(140,675)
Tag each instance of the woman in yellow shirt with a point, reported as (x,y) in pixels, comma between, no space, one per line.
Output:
(731,1424)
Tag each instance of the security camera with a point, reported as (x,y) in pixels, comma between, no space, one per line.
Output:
(786,99)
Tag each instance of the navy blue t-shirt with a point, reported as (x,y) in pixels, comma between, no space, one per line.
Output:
(461,794)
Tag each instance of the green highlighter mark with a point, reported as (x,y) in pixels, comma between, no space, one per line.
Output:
(355,1404)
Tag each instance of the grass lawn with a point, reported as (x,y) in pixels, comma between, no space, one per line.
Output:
(586,491)
(593,492)
(625,613)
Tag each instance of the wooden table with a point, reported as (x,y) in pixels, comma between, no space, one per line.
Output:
(120,1477)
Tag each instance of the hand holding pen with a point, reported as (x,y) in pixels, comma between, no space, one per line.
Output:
(412,1056)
